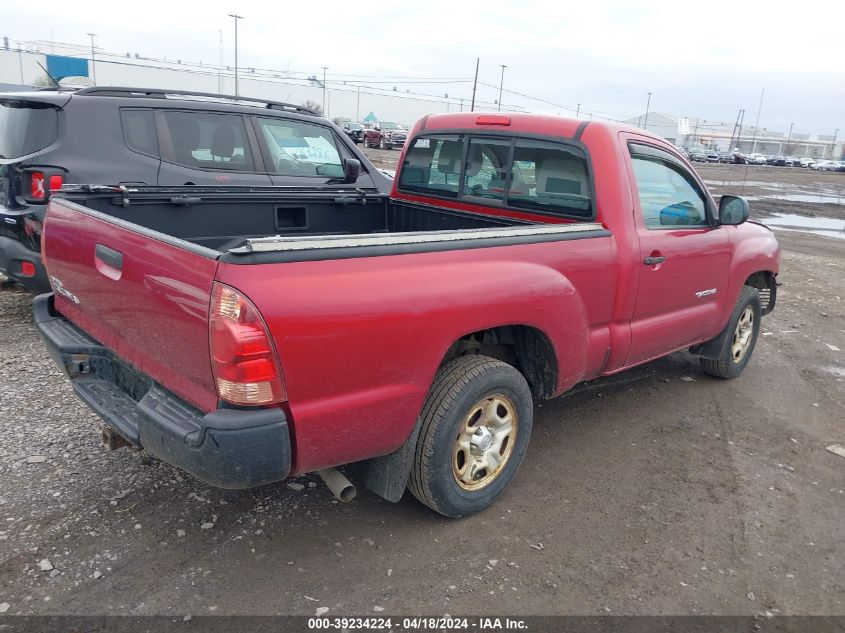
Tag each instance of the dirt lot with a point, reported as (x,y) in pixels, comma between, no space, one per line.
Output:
(645,493)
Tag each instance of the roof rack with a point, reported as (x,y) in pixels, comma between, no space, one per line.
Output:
(160,93)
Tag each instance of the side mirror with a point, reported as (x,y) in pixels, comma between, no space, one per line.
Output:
(733,210)
(351,169)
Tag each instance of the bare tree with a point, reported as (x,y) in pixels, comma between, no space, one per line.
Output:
(43,81)
(313,105)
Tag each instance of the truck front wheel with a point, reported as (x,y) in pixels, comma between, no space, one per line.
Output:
(743,329)
(476,423)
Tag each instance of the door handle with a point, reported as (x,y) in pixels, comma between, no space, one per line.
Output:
(108,262)
(654,260)
(109,256)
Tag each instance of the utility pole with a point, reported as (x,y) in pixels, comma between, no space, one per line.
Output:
(462,104)
(647,106)
(501,83)
(236,17)
(474,84)
(220,66)
(325,68)
(358,107)
(93,67)
(833,144)
(757,122)
(788,138)
(577,110)
(733,132)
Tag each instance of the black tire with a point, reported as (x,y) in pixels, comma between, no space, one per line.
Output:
(727,365)
(460,387)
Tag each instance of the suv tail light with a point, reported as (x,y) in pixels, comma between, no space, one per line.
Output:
(37,188)
(41,183)
(243,360)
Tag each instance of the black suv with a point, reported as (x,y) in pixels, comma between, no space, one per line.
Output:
(136,136)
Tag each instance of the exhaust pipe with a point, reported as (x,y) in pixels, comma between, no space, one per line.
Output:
(111,440)
(342,489)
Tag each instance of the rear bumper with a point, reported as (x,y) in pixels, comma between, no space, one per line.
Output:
(227,448)
(12,256)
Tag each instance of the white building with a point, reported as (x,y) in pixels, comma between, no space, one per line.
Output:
(725,136)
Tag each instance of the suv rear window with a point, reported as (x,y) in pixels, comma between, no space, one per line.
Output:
(26,127)
(139,130)
(544,176)
(211,141)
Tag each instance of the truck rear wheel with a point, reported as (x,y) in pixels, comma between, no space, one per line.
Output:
(743,329)
(476,423)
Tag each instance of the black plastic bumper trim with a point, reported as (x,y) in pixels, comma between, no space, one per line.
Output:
(11,253)
(227,448)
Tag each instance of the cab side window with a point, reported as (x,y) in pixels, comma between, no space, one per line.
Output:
(669,195)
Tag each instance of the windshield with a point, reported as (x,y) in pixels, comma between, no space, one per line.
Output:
(26,127)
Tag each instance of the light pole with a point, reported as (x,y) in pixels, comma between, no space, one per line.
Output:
(833,144)
(647,106)
(236,17)
(325,68)
(578,111)
(93,67)
(501,83)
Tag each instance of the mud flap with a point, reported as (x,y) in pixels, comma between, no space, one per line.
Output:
(715,348)
(387,476)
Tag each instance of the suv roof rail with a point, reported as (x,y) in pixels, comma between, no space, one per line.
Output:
(161,93)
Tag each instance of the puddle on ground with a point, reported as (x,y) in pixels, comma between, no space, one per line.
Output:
(836,371)
(804,197)
(828,227)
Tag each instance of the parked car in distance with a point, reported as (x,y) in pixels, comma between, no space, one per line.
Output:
(354,131)
(698,155)
(712,156)
(726,157)
(807,162)
(138,136)
(756,159)
(826,165)
(777,161)
(385,135)
(410,333)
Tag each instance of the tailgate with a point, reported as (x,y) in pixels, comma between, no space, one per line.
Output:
(142,294)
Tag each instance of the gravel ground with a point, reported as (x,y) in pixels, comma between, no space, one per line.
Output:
(658,491)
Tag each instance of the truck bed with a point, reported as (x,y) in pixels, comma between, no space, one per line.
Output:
(224,219)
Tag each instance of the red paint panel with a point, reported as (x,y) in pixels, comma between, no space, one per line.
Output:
(361,339)
(153,312)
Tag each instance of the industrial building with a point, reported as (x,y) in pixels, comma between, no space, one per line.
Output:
(725,136)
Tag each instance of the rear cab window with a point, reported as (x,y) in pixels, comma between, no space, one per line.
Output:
(546,177)
(26,127)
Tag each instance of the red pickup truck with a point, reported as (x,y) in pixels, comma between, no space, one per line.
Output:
(246,335)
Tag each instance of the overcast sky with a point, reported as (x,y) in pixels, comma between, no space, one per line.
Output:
(703,59)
